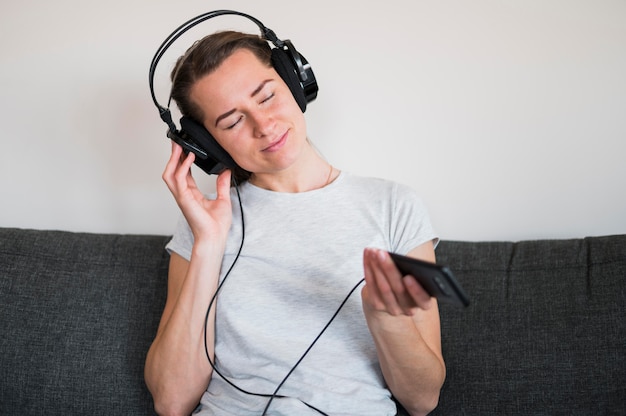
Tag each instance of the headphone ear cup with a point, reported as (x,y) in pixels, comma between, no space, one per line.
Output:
(287,71)
(201,136)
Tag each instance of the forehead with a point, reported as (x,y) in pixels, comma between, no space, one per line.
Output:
(233,80)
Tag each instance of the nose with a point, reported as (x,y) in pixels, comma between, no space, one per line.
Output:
(264,124)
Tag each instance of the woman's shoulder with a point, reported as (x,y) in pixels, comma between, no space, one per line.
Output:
(374,183)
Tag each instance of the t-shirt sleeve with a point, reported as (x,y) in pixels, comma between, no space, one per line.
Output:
(410,221)
(182,240)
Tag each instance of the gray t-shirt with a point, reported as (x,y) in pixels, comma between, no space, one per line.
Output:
(302,255)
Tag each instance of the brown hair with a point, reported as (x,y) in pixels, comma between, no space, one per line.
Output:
(203,57)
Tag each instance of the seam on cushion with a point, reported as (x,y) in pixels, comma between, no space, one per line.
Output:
(587,246)
(509,269)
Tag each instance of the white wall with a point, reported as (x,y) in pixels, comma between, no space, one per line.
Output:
(509,117)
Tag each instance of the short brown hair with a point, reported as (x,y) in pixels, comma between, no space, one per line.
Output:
(203,57)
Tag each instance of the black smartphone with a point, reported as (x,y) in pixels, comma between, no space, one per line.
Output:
(438,280)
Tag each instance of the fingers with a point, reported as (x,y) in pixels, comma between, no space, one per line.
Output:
(172,163)
(419,295)
(383,297)
(387,289)
(207,218)
(222,185)
(177,173)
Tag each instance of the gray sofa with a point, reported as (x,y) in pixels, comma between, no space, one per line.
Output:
(545,333)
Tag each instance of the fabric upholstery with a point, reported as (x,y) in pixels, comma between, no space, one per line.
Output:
(77,314)
(545,333)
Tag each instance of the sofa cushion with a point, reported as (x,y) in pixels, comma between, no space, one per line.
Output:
(546,330)
(77,315)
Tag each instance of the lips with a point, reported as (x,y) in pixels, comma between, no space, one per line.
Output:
(277,144)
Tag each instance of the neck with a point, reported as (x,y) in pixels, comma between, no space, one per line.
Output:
(312,172)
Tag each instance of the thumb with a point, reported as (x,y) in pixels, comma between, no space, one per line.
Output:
(223,185)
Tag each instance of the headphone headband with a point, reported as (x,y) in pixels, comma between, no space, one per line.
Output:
(177,33)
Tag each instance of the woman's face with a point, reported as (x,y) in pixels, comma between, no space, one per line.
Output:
(252,114)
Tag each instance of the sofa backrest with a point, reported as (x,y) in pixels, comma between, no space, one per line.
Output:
(77,315)
(546,330)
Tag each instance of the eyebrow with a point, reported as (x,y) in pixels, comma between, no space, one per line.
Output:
(255,92)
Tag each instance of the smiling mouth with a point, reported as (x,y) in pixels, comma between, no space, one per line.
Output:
(276,145)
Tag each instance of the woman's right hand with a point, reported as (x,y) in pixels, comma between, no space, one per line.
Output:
(207,218)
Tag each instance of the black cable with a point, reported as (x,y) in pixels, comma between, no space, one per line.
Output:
(275,394)
(206,318)
(214,297)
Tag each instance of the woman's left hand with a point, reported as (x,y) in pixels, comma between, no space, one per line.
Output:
(404,322)
(387,290)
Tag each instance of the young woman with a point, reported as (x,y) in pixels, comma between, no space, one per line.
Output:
(284,247)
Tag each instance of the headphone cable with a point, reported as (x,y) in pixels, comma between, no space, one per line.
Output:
(306,352)
(214,297)
(275,394)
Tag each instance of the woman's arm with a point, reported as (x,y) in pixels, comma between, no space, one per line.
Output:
(404,322)
(177,371)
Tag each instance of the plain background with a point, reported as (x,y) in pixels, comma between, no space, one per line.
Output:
(508,117)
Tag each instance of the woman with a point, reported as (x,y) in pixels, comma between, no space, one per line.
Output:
(302,227)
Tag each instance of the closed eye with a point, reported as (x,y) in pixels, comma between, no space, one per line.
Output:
(266,99)
(232,126)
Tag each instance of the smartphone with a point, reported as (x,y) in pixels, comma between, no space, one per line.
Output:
(437,280)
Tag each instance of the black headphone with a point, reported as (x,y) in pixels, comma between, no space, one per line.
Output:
(292,67)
